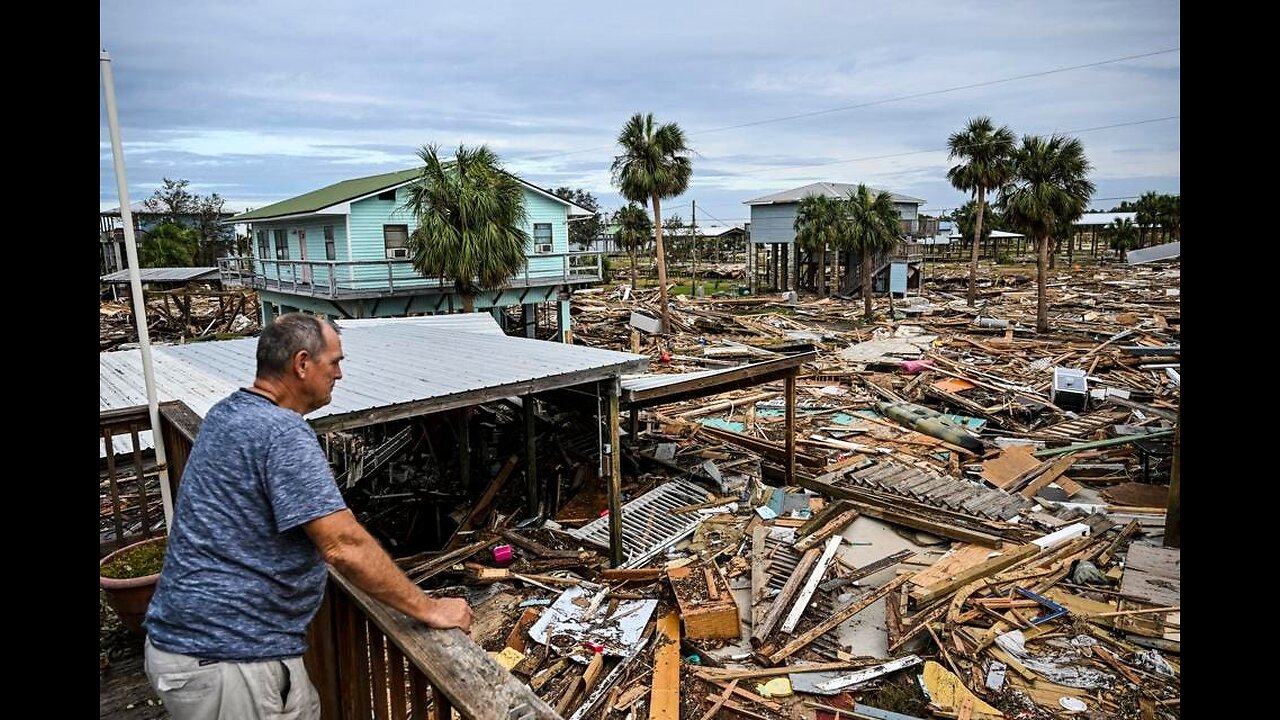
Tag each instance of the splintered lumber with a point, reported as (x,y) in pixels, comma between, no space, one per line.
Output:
(840,616)
(664,699)
(759,578)
(736,707)
(1029,482)
(827,528)
(903,511)
(436,565)
(811,585)
(482,505)
(641,574)
(610,680)
(720,700)
(714,675)
(782,601)
(535,547)
(1007,557)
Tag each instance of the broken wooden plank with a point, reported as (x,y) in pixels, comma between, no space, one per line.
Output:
(664,698)
(815,576)
(1007,557)
(833,526)
(839,617)
(782,601)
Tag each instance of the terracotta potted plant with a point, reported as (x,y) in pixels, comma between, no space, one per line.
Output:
(128,578)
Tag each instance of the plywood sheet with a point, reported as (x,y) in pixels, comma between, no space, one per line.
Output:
(1153,574)
(959,558)
(1006,466)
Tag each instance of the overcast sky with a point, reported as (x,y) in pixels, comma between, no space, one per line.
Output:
(262,101)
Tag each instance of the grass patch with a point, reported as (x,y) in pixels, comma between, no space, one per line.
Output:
(139,562)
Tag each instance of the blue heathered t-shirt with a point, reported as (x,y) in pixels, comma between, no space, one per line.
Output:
(241,579)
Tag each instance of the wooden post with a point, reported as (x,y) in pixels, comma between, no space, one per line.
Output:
(791,428)
(615,481)
(1173,513)
(531,455)
(464,448)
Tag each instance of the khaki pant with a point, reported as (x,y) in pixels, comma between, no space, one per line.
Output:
(270,690)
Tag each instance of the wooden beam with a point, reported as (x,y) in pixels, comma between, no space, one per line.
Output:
(530,455)
(664,698)
(791,429)
(811,585)
(616,557)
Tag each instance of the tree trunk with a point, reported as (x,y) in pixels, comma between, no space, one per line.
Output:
(633,269)
(822,271)
(1042,273)
(468,303)
(973,255)
(662,264)
(867,307)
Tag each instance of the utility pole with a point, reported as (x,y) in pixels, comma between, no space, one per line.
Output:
(693,237)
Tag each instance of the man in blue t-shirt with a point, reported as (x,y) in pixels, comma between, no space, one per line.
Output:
(257,518)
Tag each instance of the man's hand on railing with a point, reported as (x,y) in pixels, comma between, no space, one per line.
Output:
(448,613)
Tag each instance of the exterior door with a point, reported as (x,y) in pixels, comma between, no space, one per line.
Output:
(302,255)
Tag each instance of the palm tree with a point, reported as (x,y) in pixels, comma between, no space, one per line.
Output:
(874,226)
(1146,210)
(1168,216)
(818,225)
(1123,235)
(632,233)
(1049,190)
(471,221)
(654,164)
(986,165)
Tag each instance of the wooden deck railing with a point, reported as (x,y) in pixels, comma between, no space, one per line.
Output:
(368,660)
(129,486)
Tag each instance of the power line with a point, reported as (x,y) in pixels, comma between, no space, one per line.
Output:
(931,150)
(900,98)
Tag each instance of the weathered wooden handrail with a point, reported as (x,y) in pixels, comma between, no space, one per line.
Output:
(370,660)
(130,494)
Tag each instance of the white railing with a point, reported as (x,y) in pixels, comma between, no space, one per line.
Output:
(346,278)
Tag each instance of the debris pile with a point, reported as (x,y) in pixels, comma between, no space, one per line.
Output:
(974,527)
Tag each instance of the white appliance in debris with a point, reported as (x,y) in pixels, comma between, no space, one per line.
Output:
(1070,388)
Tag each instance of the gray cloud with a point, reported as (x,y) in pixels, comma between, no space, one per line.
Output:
(262,101)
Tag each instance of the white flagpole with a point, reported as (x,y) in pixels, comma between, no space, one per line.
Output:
(135,285)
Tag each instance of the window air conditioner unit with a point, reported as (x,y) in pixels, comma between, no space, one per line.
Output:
(398,253)
(542,248)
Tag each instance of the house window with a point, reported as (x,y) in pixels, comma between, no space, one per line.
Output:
(387,195)
(330,252)
(282,243)
(542,237)
(264,245)
(396,240)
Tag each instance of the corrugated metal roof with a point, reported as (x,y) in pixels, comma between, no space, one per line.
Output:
(179,274)
(449,360)
(1167,251)
(830,189)
(1105,218)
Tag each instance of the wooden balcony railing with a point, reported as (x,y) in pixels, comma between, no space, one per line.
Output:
(129,502)
(368,660)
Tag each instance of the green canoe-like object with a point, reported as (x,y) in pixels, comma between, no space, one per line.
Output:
(930,422)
